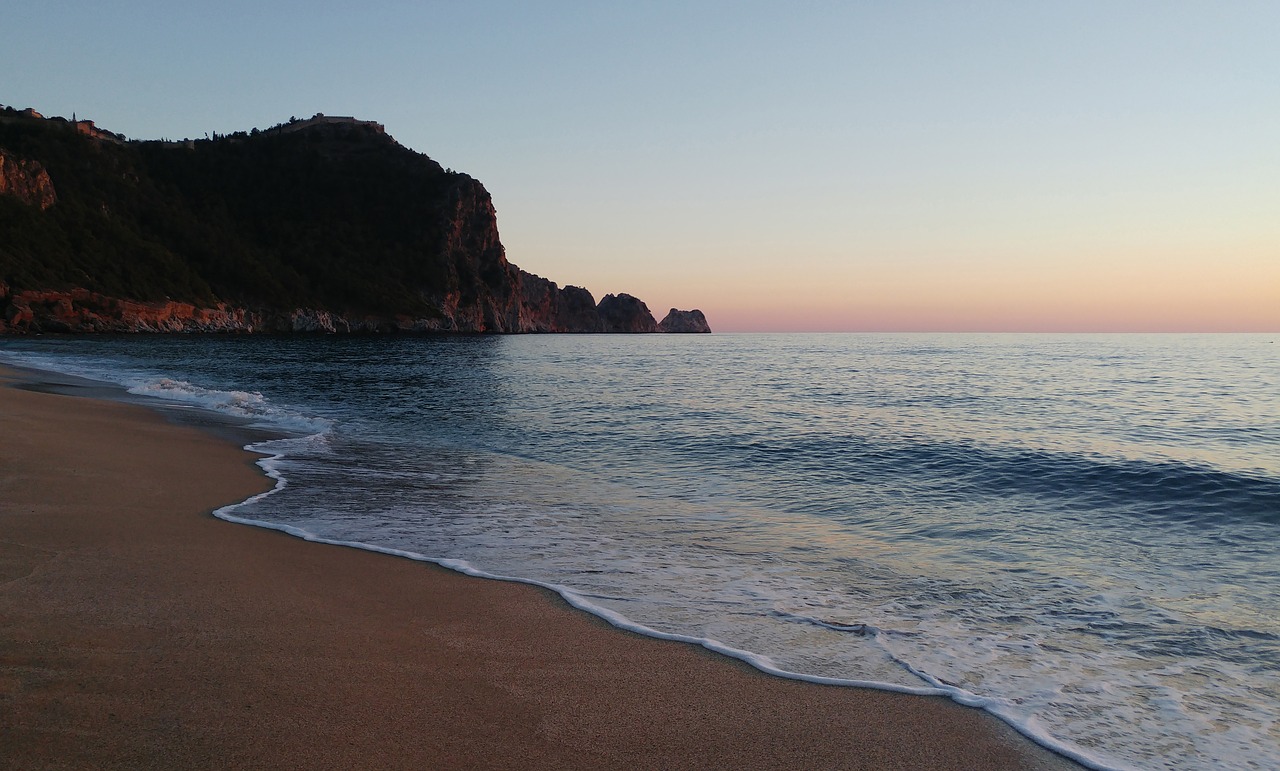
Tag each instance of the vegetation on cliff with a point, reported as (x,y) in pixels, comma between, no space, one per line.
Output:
(328,215)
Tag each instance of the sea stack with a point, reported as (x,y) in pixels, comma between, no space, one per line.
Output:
(684,321)
(624,313)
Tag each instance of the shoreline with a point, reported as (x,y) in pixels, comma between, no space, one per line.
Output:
(141,631)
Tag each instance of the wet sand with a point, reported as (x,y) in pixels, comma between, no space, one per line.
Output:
(138,631)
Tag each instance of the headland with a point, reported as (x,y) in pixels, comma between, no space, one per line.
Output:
(322,225)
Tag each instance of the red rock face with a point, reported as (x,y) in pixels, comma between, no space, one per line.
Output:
(538,302)
(545,307)
(82,311)
(535,305)
(489,294)
(486,286)
(27,181)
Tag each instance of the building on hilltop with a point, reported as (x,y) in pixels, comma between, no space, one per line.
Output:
(84,127)
(88,128)
(320,119)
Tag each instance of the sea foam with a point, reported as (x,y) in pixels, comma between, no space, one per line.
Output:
(1064,531)
(276,450)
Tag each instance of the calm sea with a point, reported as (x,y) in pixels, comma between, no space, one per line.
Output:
(1076,533)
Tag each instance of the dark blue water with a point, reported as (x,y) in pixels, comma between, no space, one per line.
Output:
(1075,532)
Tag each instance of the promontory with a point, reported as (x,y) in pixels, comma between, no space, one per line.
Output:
(319,225)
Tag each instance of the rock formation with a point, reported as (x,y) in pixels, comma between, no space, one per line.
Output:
(26,180)
(326,225)
(684,321)
(545,307)
(577,311)
(624,313)
(83,311)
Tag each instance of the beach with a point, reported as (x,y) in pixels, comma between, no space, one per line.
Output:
(138,631)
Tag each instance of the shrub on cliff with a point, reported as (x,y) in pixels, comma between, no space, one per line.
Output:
(342,219)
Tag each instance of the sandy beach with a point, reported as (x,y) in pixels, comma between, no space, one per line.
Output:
(138,631)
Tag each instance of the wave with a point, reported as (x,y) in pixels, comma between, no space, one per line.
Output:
(990,564)
(248,405)
(277,450)
(1162,490)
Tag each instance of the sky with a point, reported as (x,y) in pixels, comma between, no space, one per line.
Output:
(808,166)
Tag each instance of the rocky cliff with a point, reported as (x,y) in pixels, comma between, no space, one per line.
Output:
(684,321)
(546,307)
(312,226)
(624,313)
(26,180)
(83,311)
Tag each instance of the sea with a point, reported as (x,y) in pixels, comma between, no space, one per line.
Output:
(1076,533)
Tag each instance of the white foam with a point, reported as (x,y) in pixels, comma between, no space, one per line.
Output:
(255,407)
(249,405)
(245,405)
(1028,727)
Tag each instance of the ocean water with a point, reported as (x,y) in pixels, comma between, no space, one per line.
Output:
(1077,533)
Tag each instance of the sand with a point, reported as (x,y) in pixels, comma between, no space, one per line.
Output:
(138,631)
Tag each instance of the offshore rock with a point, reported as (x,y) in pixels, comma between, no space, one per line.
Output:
(26,180)
(684,321)
(624,313)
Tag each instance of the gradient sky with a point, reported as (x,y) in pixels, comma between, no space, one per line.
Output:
(801,166)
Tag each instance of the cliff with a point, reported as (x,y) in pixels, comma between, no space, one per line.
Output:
(624,313)
(684,322)
(324,225)
(26,180)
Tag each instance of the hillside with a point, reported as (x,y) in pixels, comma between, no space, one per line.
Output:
(326,224)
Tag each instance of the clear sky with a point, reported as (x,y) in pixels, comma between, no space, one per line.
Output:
(799,166)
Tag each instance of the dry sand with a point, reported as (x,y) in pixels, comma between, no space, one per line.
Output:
(137,631)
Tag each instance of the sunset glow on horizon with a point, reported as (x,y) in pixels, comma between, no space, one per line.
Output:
(1116,296)
(923,166)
